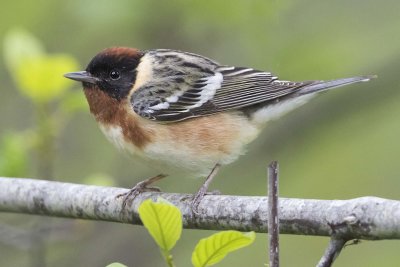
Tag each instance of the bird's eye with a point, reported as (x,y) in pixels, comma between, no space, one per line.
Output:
(114,75)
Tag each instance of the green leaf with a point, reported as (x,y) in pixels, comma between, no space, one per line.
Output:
(214,248)
(41,78)
(20,45)
(163,221)
(116,264)
(37,75)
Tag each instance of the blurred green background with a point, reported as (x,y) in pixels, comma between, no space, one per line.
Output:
(343,144)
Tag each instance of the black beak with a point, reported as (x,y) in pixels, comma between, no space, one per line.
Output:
(81,76)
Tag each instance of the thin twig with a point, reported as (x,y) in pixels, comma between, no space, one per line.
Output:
(273,214)
(331,252)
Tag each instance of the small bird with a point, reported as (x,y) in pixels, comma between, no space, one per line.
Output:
(184,110)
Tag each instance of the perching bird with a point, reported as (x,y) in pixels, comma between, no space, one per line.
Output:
(184,110)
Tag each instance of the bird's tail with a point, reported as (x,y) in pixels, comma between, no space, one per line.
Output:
(319,86)
(304,93)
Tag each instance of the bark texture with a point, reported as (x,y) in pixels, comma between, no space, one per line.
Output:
(368,218)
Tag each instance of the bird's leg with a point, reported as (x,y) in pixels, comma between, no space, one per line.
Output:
(203,189)
(140,187)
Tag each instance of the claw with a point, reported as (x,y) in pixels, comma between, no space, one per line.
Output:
(140,187)
(194,205)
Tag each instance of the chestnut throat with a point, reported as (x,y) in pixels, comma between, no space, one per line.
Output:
(111,112)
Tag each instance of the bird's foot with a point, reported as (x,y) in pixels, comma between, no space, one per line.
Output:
(140,187)
(198,197)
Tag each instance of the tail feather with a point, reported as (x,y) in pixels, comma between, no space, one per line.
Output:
(318,86)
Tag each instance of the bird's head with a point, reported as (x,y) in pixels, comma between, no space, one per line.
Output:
(112,71)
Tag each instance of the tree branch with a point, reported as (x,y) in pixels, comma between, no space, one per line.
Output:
(361,218)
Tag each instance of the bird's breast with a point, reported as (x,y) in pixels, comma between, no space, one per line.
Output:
(194,145)
(117,120)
